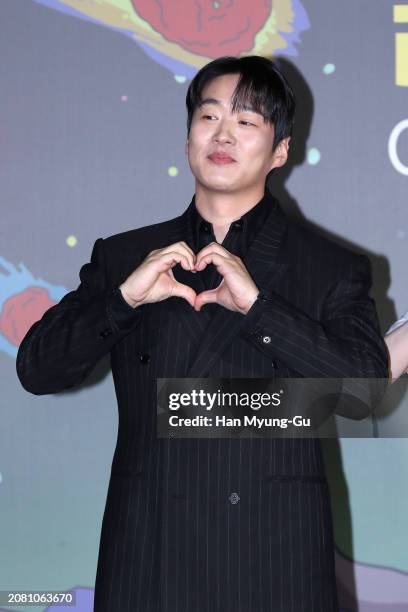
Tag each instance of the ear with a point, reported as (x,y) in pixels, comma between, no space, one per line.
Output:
(186,147)
(280,154)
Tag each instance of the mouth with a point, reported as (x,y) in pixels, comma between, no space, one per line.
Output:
(218,158)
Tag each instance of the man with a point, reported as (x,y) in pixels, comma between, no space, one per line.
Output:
(231,288)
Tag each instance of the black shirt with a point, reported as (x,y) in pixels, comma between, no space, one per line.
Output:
(239,237)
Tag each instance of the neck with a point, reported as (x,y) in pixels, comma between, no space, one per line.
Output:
(221,209)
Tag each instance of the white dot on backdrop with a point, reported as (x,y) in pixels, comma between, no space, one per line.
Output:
(313,156)
(124,98)
(401,234)
(329,68)
(1,477)
(180,78)
(72,241)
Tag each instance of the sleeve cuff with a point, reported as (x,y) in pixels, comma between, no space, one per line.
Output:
(122,315)
(251,324)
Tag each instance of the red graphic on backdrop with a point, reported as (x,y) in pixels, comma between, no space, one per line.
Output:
(21,310)
(210,28)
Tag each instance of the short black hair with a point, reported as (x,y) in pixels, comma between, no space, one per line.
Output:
(261,85)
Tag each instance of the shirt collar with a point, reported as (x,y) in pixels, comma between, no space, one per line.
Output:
(249,223)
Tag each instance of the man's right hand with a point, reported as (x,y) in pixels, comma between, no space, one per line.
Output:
(153,279)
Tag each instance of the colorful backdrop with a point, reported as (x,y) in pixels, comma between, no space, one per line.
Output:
(92,132)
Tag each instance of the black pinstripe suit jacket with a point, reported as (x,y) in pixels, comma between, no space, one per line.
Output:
(173,537)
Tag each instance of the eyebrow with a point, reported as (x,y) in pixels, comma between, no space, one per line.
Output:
(246,107)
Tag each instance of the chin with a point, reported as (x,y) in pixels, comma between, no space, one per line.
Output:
(215,185)
(216,180)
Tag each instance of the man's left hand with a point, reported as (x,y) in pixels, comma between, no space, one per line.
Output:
(237,291)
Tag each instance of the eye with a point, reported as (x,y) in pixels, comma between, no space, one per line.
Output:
(207,116)
(246,122)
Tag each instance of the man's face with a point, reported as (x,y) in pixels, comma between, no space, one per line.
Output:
(243,136)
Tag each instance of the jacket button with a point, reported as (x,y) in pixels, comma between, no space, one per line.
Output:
(234,498)
(145,358)
(266,339)
(105,333)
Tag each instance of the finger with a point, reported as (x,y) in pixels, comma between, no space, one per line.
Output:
(214,246)
(193,255)
(186,246)
(184,291)
(170,259)
(220,261)
(206,297)
(177,248)
(184,249)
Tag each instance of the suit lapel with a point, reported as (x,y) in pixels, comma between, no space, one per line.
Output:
(263,261)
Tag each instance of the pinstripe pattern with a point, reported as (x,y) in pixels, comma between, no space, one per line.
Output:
(171,539)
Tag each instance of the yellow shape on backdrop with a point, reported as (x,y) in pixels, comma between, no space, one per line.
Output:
(401,59)
(400,15)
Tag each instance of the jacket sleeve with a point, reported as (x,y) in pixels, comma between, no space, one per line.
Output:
(345,343)
(62,348)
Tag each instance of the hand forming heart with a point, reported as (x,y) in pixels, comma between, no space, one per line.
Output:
(153,280)
(237,291)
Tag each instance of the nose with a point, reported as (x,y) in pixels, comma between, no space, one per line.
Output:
(224,133)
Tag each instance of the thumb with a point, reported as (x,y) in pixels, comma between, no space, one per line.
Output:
(205,298)
(184,291)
